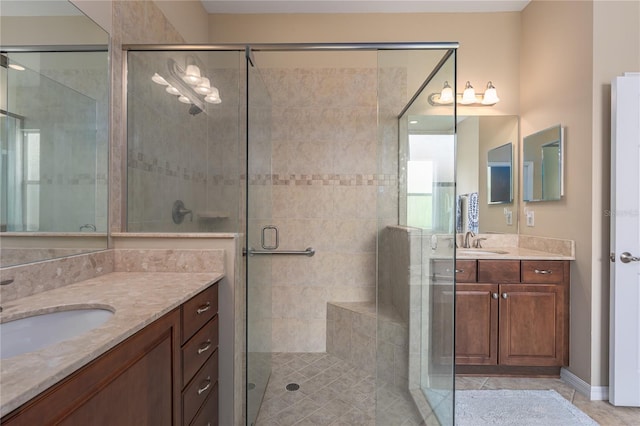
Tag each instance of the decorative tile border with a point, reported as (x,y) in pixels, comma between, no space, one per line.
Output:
(77,179)
(324,180)
(140,161)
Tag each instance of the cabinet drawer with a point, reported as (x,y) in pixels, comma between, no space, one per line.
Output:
(465,271)
(499,271)
(208,415)
(197,311)
(542,271)
(199,389)
(198,349)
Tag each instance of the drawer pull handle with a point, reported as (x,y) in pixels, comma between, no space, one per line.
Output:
(204,308)
(543,271)
(205,387)
(459,271)
(204,347)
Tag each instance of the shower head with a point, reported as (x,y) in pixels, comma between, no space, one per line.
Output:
(194,110)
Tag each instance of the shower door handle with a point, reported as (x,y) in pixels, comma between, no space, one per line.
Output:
(276,237)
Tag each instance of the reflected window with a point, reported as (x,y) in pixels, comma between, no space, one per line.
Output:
(430,182)
(420,194)
(32,180)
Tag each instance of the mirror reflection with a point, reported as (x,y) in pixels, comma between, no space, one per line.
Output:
(542,165)
(487,200)
(54,133)
(500,174)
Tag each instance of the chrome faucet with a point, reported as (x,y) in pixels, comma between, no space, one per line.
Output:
(466,239)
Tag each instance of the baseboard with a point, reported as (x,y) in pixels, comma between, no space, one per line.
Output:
(594,393)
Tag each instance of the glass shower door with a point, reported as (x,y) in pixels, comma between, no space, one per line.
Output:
(416,312)
(259,235)
(430,161)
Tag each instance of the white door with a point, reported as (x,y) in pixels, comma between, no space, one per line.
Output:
(624,349)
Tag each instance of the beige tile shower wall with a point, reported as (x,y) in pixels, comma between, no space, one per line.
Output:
(132,22)
(324,196)
(167,150)
(176,155)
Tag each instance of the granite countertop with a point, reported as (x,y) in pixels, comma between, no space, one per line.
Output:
(510,253)
(137,299)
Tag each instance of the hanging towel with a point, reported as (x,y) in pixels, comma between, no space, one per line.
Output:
(473,212)
(459,213)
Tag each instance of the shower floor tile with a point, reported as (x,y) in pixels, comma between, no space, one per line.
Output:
(332,392)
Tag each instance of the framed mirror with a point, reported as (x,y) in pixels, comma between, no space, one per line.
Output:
(500,174)
(54,132)
(542,165)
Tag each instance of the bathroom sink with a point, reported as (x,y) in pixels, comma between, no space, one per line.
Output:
(480,252)
(36,332)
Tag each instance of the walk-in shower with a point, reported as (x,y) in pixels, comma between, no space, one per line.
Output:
(332,147)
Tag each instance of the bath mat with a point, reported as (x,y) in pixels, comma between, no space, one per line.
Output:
(517,407)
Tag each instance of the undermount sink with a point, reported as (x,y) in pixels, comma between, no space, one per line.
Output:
(38,331)
(480,252)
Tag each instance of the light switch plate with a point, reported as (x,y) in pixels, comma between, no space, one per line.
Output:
(530,218)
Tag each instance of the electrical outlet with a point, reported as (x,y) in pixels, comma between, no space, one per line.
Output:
(509,215)
(530,218)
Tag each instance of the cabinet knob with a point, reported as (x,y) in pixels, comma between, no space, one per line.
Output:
(494,295)
(504,295)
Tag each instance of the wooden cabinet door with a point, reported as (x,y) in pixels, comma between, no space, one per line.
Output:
(135,383)
(531,325)
(476,324)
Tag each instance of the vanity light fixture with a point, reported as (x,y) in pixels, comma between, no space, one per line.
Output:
(188,84)
(490,95)
(468,98)
(469,94)
(446,96)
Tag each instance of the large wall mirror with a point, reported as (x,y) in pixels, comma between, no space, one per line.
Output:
(54,81)
(486,154)
(542,169)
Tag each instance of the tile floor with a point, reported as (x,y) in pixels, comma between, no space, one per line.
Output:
(333,392)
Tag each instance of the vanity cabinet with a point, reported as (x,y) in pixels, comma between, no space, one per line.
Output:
(200,359)
(165,374)
(513,316)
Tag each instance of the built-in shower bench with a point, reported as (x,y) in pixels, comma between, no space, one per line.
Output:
(351,336)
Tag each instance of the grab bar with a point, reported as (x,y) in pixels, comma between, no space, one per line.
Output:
(306,252)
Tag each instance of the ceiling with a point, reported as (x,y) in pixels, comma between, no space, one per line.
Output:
(362,6)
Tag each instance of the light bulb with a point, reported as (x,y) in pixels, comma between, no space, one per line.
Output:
(192,75)
(469,95)
(17,67)
(157,78)
(184,99)
(204,87)
(213,97)
(490,95)
(172,90)
(446,96)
